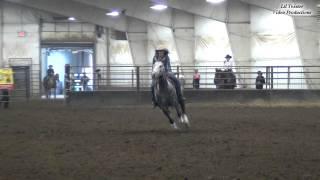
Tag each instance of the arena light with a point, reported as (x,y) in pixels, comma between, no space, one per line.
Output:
(215,1)
(71,18)
(113,13)
(159,7)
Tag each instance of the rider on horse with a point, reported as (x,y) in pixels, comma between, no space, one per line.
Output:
(228,63)
(161,54)
(50,71)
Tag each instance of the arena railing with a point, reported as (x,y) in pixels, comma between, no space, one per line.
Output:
(29,78)
(139,77)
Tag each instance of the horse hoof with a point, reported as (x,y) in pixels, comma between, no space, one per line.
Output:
(181,119)
(174,126)
(185,119)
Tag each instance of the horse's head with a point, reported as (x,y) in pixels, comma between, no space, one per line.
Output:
(158,69)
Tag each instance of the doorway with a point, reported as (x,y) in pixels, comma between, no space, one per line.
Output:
(80,58)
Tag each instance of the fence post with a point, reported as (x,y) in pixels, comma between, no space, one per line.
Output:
(28,80)
(267,77)
(132,78)
(67,82)
(178,68)
(138,77)
(288,77)
(271,77)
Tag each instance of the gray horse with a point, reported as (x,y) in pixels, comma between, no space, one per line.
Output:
(166,96)
(49,83)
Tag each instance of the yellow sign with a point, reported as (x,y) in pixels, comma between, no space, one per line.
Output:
(6,78)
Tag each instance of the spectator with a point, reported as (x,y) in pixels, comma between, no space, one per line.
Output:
(196,79)
(260,81)
(59,89)
(84,81)
(98,77)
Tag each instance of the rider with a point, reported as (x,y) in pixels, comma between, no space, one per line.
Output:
(228,63)
(50,71)
(161,54)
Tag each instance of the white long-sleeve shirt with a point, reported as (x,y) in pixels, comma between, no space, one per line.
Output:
(228,64)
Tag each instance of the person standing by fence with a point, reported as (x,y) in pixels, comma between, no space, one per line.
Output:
(84,81)
(260,81)
(196,79)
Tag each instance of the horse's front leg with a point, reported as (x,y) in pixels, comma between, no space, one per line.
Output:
(167,113)
(180,111)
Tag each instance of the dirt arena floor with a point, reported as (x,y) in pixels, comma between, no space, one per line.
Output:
(53,142)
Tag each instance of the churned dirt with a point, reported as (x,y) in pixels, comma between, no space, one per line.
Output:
(48,141)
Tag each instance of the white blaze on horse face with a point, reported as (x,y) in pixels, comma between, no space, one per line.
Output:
(157,69)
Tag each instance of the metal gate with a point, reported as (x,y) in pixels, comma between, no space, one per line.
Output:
(22,83)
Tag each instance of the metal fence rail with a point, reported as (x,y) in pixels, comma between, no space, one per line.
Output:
(28,78)
(139,77)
